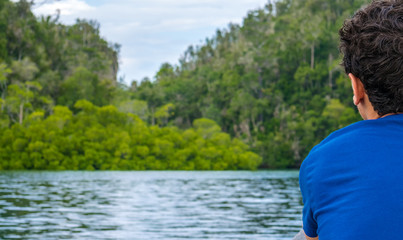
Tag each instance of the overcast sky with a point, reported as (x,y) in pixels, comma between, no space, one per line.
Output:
(152,32)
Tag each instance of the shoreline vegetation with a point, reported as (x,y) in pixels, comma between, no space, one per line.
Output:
(258,95)
(102,138)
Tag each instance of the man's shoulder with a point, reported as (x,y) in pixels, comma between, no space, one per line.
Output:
(340,138)
(357,136)
(365,131)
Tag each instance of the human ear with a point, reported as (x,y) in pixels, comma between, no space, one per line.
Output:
(358,89)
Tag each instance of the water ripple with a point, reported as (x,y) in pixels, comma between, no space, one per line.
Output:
(149,205)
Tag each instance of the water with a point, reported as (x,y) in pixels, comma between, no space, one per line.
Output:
(149,205)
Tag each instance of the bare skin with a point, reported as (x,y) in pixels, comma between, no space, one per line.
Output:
(309,238)
(361,99)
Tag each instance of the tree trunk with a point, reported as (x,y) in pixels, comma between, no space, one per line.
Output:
(3,97)
(260,118)
(254,124)
(21,115)
(260,83)
(84,37)
(20,54)
(152,117)
(330,71)
(312,56)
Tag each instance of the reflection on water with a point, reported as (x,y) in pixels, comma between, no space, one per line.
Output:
(149,205)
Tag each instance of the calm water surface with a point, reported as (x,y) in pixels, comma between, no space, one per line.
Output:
(149,205)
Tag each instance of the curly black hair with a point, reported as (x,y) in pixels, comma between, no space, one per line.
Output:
(372,45)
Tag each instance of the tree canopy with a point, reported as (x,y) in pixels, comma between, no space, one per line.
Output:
(274,81)
(256,95)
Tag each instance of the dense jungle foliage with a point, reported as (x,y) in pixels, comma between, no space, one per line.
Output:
(272,85)
(104,138)
(275,81)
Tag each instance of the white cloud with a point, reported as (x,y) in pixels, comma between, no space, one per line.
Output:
(66,7)
(154,31)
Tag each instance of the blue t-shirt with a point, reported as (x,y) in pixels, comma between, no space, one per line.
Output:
(352,182)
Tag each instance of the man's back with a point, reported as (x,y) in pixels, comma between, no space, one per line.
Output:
(352,182)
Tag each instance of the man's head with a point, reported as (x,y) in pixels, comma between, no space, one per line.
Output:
(372,45)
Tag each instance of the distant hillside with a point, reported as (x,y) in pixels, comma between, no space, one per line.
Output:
(54,63)
(274,81)
(58,87)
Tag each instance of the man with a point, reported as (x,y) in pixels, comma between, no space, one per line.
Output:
(352,182)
